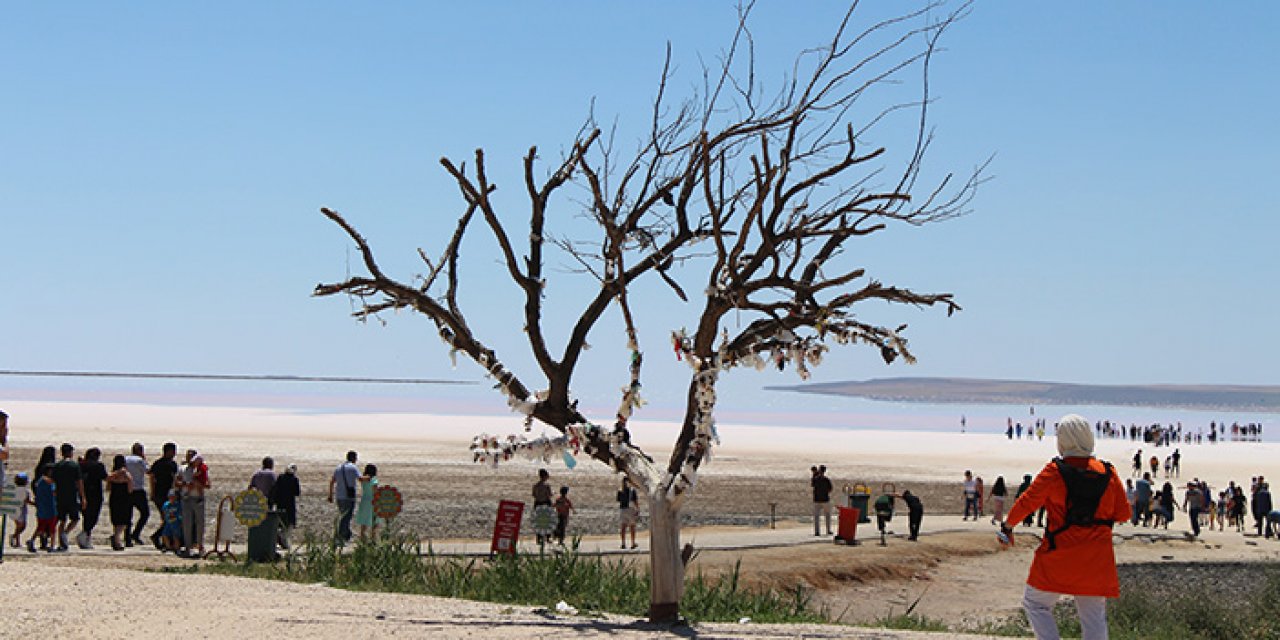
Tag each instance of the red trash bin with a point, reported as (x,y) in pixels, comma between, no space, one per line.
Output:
(847,529)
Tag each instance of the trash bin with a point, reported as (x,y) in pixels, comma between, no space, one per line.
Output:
(262,539)
(847,531)
(859,497)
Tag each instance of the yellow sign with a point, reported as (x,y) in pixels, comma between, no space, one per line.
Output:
(250,507)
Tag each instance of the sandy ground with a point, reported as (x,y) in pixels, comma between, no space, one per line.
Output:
(957,573)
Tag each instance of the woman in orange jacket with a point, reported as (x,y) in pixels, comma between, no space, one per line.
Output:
(1075,559)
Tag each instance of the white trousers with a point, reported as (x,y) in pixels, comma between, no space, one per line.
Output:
(1039,607)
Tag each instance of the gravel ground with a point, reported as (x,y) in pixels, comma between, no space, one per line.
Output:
(1174,579)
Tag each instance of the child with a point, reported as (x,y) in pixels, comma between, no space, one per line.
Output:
(172,513)
(563,507)
(46,511)
(22,496)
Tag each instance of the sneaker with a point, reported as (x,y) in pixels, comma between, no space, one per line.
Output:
(62,540)
(82,541)
(635,546)
(156,541)
(128,542)
(31,546)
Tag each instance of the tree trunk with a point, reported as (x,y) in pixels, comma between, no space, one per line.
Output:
(665,565)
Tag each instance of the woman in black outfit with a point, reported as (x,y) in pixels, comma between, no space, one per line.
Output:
(118,502)
(998,493)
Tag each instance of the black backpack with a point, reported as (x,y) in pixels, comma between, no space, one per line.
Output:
(1085,488)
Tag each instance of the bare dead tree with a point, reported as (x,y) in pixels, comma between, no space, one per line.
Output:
(754,196)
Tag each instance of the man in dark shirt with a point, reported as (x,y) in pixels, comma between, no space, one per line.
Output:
(915,513)
(285,494)
(821,485)
(69,492)
(92,473)
(1262,509)
(162,473)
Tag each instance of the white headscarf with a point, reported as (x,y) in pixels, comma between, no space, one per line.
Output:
(1075,437)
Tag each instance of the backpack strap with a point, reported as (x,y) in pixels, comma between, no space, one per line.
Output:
(1050,535)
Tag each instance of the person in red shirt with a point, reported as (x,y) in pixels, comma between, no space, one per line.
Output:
(1078,560)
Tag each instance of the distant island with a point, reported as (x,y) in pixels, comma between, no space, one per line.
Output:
(1264,399)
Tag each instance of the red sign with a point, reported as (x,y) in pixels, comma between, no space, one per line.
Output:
(507,529)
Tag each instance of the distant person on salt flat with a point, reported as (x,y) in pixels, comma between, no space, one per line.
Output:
(1083,498)
(821,486)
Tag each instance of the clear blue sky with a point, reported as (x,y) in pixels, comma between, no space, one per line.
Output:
(163,164)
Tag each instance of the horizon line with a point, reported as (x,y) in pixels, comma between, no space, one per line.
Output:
(223,377)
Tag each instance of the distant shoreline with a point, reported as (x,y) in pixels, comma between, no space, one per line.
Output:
(973,391)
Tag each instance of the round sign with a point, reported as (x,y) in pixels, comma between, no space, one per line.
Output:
(250,507)
(387,502)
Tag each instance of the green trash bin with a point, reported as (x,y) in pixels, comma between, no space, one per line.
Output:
(859,497)
(262,539)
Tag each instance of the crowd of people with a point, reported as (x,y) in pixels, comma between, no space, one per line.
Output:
(67,492)
(1156,434)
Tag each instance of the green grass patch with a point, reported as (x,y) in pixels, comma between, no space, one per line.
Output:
(396,562)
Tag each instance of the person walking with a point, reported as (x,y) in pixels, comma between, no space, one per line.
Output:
(564,506)
(915,514)
(119,505)
(998,493)
(1076,556)
(136,463)
(365,518)
(1262,507)
(1193,502)
(542,514)
(821,486)
(69,488)
(345,480)
(286,494)
(1142,491)
(1022,488)
(162,476)
(93,474)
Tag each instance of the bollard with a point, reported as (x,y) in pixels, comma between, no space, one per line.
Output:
(773,514)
